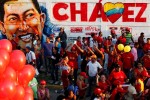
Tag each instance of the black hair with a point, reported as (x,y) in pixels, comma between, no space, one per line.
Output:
(92,34)
(57,38)
(60,97)
(132,81)
(78,37)
(2,12)
(56,48)
(136,43)
(117,96)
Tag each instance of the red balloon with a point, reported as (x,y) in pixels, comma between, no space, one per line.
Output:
(10,74)
(6,44)
(7,89)
(28,90)
(5,55)
(20,93)
(28,96)
(2,65)
(26,75)
(4,98)
(17,60)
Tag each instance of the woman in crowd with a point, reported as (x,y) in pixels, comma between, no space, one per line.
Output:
(58,43)
(103,83)
(138,71)
(82,85)
(55,60)
(37,50)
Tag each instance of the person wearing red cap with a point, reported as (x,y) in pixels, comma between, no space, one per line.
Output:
(43,92)
(82,85)
(146,47)
(129,37)
(72,56)
(98,94)
(141,85)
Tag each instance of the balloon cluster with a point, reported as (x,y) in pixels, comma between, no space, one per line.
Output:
(14,74)
(126,48)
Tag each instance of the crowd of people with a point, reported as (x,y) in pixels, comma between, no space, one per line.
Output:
(94,68)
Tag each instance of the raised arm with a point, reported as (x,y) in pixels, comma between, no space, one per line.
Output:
(99,51)
(82,51)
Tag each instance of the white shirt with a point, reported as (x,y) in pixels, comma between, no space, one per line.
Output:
(114,40)
(30,56)
(93,68)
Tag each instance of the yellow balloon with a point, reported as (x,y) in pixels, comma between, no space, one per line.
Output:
(127,49)
(120,47)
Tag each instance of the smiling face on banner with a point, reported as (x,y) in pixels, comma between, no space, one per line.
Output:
(22,21)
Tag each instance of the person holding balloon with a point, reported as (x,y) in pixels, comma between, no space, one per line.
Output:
(128,61)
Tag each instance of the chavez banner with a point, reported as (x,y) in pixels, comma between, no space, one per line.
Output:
(20,20)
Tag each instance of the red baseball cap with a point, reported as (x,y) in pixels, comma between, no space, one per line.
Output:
(145,73)
(83,74)
(97,91)
(113,32)
(128,29)
(71,64)
(43,82)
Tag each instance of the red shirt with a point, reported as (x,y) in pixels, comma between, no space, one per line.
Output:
(80,45)
(73,58)
(122,39)
(146,47)
(127,59)
(138,73)
(99,39)
(107,42)
(146,61)
(116,77)
(104,86)
(82,92)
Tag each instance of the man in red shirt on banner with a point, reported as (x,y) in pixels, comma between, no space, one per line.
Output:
(147,46)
